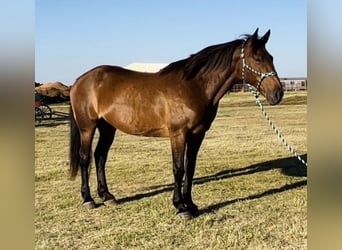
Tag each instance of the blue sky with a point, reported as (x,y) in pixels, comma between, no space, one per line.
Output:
(72,37)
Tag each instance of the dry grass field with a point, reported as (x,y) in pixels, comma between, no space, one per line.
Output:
(252,194)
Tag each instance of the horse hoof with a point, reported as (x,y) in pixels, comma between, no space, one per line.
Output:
(89,204)
(195,213)
(111,202)
(185,215)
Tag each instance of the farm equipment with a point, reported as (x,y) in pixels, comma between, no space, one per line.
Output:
(43,111)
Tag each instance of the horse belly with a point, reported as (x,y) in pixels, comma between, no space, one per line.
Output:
(140,121)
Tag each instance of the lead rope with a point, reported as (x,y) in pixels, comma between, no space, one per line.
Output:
(255,92)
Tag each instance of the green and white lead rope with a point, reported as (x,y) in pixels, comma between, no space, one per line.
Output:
(255,92)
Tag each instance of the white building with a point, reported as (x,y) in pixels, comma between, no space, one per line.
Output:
(294,83)
(146,67)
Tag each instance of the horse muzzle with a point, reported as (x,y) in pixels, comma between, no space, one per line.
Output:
(275,96)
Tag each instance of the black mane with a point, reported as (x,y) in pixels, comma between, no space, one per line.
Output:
(215,57)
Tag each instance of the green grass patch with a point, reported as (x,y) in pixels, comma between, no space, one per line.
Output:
(251,192)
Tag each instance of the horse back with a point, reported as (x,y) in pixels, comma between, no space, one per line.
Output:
(138,103)
(131,101)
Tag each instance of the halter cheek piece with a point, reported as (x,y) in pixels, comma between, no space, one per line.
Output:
(262,75)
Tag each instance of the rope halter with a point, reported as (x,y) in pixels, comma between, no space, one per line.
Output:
(255,92)
(261,74)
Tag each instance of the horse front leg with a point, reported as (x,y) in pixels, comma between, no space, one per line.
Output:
(178,142)
(193,145)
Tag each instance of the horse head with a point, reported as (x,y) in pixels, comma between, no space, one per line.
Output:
(258,69)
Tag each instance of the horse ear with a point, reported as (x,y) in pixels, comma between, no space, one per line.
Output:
(264,39)
(255,35)
(253,40)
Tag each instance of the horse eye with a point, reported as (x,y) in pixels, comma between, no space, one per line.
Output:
(258,59)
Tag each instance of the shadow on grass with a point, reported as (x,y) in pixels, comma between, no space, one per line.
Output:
(272,191)
(289,166)
(53,121)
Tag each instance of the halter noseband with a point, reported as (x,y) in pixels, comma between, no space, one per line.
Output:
(245,65)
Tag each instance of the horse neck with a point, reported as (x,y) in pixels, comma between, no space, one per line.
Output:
(216,84)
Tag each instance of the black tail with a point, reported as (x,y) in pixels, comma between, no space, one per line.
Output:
(75,144)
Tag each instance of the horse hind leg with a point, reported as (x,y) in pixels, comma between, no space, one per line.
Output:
(85,150)
(107,133)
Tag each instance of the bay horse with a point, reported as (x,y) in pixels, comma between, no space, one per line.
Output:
(180,102)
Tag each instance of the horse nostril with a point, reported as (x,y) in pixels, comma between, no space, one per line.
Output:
(275,96)
(279,94)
